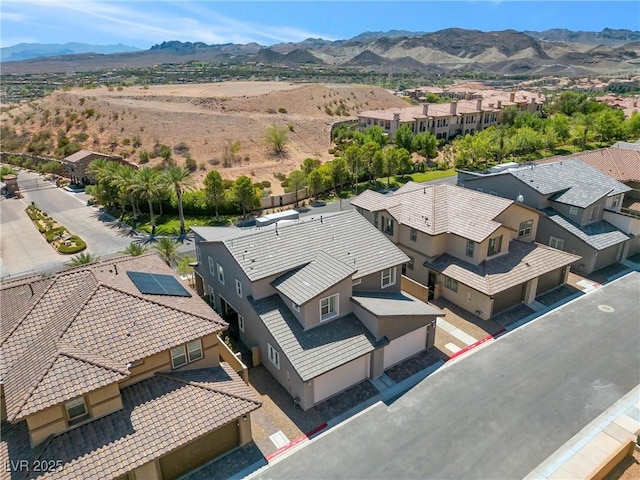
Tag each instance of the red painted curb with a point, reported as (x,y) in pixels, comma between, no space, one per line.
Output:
(474,345)
(295,442)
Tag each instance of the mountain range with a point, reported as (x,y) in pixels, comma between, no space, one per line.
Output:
(26,51)
(449,51)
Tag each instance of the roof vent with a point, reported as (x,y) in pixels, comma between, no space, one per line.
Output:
(520,198)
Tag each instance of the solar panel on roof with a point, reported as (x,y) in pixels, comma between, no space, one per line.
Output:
(157,284)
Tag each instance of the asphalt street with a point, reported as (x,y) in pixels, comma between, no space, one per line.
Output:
(498,412)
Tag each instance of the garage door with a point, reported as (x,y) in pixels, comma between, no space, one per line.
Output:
(405,346)
(606,257)
(340,379)
(202,450)
(508,298)
(549,280)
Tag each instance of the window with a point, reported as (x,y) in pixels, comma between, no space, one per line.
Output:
(328,307)
(238,288)
(220,273)
(451,284)
(407,266)
(413,234)
(356,281)
(388,277)
(616,201)
(573,210)
(593,214)
(471,245)
(76,411)
(556,242)
(295,306)
(178,356)
(198,255)
(212,270)
(525,229)
(388,225)
(375,219)
(274,355)
(194,350)
(495,244)
(212,296)
(241,323)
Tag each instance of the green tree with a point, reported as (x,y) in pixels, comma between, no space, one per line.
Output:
(105,189)
(569,103)
(500,136)
(527,140)
(561,125)
(633,125)
(277,139)
(135,249)
(508,115)
(297,181)
(426,144)
(584,125)
(365,157)
(309,164)
(185,267)
(244,194)
(149,187)
(214,189)
(390,162)
(338,172)
(180,179)
(351,158)
(125,179)
(404,161)
(167,249)
(371,134)
(377,164)
(315,183)
(609,124)
(404,138)
(82,259)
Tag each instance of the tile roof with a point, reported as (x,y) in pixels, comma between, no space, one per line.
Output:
(555,177)
(92,318)
(346,236)
(159,415)
(82,154)
(317,350)
(581,197)
(324,271)
(621,163)
(393,303)
(439,209)
(523,262)
(599,235)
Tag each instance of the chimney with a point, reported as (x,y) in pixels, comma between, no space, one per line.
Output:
(512,97)
(533,101)
(499,104)
(479,104)
(539,94)
(454,108)
(425,109)
(396,117)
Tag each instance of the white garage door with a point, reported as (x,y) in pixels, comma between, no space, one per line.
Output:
(340,379)
(405,346)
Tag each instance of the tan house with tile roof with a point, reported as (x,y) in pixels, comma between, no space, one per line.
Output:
(113,370)
(77,165)
(474,249)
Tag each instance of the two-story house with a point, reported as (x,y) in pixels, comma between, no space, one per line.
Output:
(474,249)
(318,300)
(113,370)
(77,165)
(572,197)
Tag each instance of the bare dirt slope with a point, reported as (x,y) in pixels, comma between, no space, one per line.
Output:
(205,117)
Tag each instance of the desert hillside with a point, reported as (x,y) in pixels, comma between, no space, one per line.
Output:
(201,120)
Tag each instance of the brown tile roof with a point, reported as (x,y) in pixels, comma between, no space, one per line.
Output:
(159,415)
(619,163)
(94,319)
(82,154)
(439,209)
(524,262)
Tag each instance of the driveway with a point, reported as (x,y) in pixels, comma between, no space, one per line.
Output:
(499,412)
(24,250)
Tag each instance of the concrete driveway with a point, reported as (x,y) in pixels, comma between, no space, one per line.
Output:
(24,250)
(500,411)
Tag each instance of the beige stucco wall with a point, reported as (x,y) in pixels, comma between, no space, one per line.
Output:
(516,214)
(483,247)
(148,471)
(469,299)
(312,307)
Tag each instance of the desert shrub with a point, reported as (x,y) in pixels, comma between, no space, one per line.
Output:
(291,128)
(265,184)
(190,164)
(135,141)
(280,176)
(80,137)
(271,110)
(332,151)
(143,156)
(214,162)
(282,110)
(126,141)
(328,111)
(89,112)
(181,148)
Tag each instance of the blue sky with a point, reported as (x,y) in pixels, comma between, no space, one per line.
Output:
(144,23)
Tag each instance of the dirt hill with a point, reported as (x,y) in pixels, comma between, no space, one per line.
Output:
(205,118)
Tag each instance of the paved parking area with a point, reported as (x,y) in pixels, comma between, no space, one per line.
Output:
(23,249)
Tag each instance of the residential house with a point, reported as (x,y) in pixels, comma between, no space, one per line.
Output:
(113,370)
(77,164)
(447,120)
(573,198)
(318,301)
(621,162)
(474,249)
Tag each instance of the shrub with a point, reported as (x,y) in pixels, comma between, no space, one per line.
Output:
(282,110)
(280,176)
(79,246)
(181,148)
(266,184)
(328,111)
(291,128)
(190,164)
(50,235)
(271,110)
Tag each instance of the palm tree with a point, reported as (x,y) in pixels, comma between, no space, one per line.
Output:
(82,259)
(148,186)
(167,249)
(181,180)
(135,249)
(125,180)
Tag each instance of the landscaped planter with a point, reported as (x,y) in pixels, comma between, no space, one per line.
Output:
(56,235)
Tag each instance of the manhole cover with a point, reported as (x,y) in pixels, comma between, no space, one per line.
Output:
(606,308)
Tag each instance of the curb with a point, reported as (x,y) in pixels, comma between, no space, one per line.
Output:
(296,441)
(476,344)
